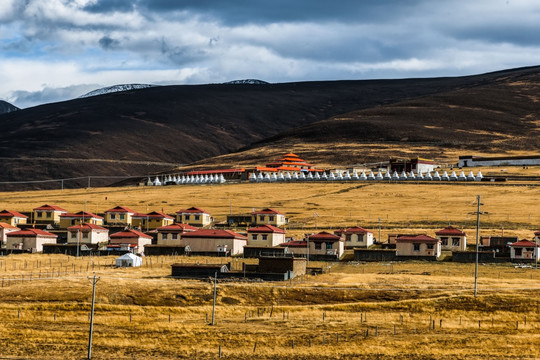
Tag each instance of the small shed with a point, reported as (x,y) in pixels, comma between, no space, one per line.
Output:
(128,260)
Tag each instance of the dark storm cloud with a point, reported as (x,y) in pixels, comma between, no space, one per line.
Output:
(235,12)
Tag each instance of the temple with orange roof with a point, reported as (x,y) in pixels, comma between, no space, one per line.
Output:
(289,162)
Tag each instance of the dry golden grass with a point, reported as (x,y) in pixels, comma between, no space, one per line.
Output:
(405,208)
(143,313)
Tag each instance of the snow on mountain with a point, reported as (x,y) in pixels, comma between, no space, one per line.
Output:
(248,81)
(116,88)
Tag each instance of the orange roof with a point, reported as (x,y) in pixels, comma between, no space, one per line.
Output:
(31,232)
(120,209)
(50,207)
(4,225)
(87,227)
(129,234)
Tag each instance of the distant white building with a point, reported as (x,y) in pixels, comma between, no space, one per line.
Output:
(472,161)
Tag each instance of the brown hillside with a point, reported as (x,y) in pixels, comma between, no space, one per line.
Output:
(141,131)
(500,117)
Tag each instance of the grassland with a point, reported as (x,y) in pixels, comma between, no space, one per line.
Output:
(512,209)
(362,311)
(398,311)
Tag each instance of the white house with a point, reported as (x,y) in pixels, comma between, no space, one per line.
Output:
(356,236)
(87,234)
(265,235)
(5,229)
(135,239)
(418,246)
(29,239)
(452,239)
(171,234)
(524,250)
(214,242)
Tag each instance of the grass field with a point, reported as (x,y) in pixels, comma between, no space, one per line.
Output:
(411,310)
(512,209)
(408,310)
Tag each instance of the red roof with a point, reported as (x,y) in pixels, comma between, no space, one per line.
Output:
(11,213)
(537,232)
(4,225)
(525,243)
(213,233)
(450,230)
(357,230)
(82,214)
(208,172)
(416,238)
(154,215)
(294,243)
(192,210)
(179,227)
(121,209)
(324,236)
(266,229)
(266,211)
(31,232)
(87,227)
(50,207)
(129,234)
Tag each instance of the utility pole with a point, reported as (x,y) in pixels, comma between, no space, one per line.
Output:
(214,303)
(94,282)
(478,213)
(79,239)
(380,241)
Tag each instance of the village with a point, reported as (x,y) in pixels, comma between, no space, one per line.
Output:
(119,231)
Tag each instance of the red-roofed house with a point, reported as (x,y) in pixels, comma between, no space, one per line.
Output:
(48,214)
(67,220)
(29,239)
(214,242)
(5,229)
(418,246)
(132,239)
(323,245)
(356,237)
(452,239)
(119,215)
(171,234)
(524,250)
(194,216)
(87,234)
(152,220)
(13,218)
(265,235)
(268,216)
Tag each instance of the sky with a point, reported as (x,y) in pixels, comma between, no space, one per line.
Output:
(54,50)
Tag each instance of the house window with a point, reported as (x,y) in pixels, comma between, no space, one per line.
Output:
(49,214)
(261,218)
(318,246)
(174,236)
(186,217)
(39,214)
(197,217)
(455,241)
(85,235)
(264,237)
(121,216)
(416,247)
(74,235)
(518,251)
(329,246)
(254,237)
(271,218)
(113,216)
(430,246)
(444,241)
(348,237)
(72,221)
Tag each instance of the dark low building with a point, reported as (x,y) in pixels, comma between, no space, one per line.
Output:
(198,270)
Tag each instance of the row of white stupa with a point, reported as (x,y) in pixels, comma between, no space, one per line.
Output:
(187,179)
(338,176)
